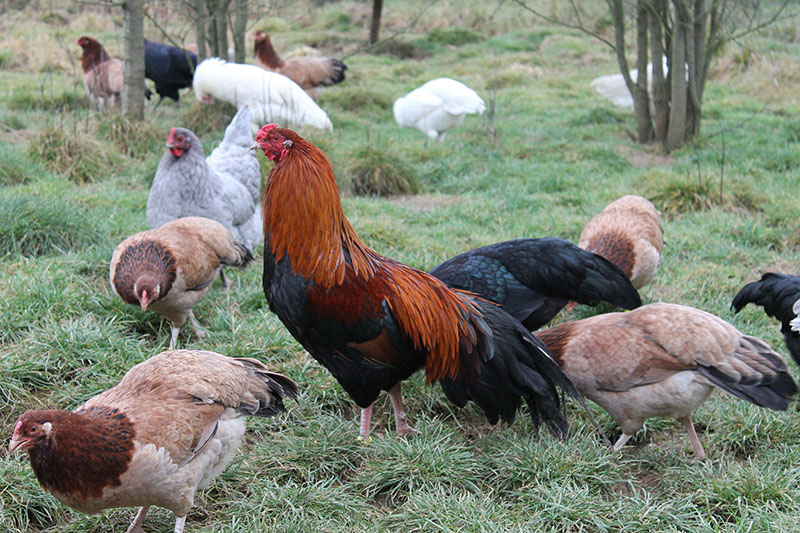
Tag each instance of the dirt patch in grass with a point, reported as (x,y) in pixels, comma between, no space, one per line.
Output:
(641,159)
(426,202)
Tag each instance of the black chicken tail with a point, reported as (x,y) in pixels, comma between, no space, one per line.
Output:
(520,368)
(777,294)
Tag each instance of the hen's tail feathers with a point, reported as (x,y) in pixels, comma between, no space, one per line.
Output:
(520,368)
(777,294)
(757,374)
(337,68)
(242,258)
(266,390)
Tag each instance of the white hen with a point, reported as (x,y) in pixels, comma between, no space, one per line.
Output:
(272,97)
(223,187)
(437,106)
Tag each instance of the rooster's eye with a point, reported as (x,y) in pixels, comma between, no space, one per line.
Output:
(34,429)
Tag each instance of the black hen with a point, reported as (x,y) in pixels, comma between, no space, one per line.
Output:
(169,67)
(533,279)
(777,294)
(520,367)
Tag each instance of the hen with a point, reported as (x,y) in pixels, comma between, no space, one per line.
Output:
(437,106)
(309,72)
(169,67)
(270,96)
(372,321)
(533,279)
(102,74)
(627,233)
(169,428)
(664,360)
(778,295)
(224,187)
(171,268)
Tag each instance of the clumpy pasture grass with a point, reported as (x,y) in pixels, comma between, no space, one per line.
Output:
(75,183)
(35,226)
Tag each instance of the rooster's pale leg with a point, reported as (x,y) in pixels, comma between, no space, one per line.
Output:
(400,418)
(621,441)
(136,525)
(366,417)
(180,521)
(698,448)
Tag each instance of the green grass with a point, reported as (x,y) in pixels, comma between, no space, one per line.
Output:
(74,183)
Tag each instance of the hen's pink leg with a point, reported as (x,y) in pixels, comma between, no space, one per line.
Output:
(366,417)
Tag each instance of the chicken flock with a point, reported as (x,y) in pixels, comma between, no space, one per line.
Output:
(175,421)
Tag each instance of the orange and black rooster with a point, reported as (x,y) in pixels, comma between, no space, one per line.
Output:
(372,321)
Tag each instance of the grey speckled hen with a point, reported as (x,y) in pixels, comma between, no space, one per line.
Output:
(224,187)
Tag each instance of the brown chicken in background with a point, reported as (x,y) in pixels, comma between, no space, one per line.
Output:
(169,269)
(664,360)
(169,428)
(309,72)
(627,233)
(102,75)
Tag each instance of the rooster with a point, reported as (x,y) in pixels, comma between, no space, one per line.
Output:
(533,279)
(628,233)
(169,428)
(437,106)
(778,294)
(171,268)
(225,186)
(372,321)
(169,67)
(664,360)
(310,73)
(270,96)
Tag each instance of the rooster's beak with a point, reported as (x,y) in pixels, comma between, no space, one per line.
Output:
(255,146)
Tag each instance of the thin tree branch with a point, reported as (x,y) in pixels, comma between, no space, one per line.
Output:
(579,26)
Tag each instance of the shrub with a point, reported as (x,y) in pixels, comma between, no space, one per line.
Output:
(16,167)
(134,138)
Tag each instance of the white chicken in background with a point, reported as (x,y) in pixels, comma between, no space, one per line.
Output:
(437,106)
(271,97)
(612,86)
(224,187)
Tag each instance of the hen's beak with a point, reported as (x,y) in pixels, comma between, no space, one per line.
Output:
(169,145)
(255,146)
(15,444)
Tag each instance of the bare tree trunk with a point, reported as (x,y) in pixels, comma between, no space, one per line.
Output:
(641,98)
(239,30)
(221,26)
(211,27)
(200,22)
(660,88)
(133,53)
(375,28)
(676,132)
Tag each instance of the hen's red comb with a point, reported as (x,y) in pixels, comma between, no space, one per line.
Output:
(263,132)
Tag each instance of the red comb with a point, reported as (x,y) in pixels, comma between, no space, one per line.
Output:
(263,132)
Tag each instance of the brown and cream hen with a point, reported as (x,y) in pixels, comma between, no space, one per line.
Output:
(309,72)
(170,427)
(169,269)
(664,360)
(627,233)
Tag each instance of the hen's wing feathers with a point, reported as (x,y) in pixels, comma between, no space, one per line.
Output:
(175,398)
